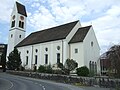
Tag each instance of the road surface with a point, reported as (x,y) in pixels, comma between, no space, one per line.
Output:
(13,82)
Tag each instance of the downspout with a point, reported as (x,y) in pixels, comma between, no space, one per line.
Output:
(69,52)
(62,51)
(32,58)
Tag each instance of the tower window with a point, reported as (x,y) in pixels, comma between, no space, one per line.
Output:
(21,24)
(11,35)
(13,24)
(19,36)
(46,58)
(35,59)
(58,57)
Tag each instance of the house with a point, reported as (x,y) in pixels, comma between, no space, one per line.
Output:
(52,45)
(3,51)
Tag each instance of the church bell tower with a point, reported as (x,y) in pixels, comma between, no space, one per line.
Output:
(17,26)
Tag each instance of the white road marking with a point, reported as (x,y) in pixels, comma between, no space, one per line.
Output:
(9,82)
(43,87)
(11,85)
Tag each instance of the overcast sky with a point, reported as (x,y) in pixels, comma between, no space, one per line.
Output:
(104,15)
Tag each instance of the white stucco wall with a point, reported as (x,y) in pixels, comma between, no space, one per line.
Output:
(91,53)
(66,41)
(52,53)
(78,57)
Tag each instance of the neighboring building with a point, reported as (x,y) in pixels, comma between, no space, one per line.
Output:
(53,45)
(104,65)
(3,50)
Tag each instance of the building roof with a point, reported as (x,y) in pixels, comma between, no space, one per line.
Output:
(51,34)
(80,34)
(21,9)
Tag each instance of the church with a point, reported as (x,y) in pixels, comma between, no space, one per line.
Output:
(52,45)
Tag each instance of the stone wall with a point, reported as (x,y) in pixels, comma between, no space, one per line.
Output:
(81,81)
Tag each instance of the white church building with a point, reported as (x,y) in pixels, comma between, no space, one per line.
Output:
(52,45)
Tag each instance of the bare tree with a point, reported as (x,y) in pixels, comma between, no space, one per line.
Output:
(113,54)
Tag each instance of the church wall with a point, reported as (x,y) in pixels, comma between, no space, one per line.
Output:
(10,42)
(68,38)
(41,51)
(25,52)
(91,48)
(79,55)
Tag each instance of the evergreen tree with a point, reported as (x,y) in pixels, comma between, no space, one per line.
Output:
(14,60)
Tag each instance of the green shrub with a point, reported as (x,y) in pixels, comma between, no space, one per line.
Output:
(60,65)
(45,69)
(41,69)
(57,71)
(48,69)
(82,71)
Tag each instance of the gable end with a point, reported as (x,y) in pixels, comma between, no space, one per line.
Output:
(80,34)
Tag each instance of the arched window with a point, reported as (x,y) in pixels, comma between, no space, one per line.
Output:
(46,58)
(90,66)
(46,49)
(92,44)
(58,57)
(36,50)
(95,67)
(36,59)
(27,51)
(13,24)
(26,60)
(21,24)
(11,35)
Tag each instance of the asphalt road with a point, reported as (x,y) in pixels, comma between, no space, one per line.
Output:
(13,82)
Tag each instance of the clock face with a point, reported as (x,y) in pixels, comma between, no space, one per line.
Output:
(21,17)
(13,17)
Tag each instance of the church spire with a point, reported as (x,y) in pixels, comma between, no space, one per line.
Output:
(21,9)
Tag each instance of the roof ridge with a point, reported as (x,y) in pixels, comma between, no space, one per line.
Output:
(86,26)
(55,26)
